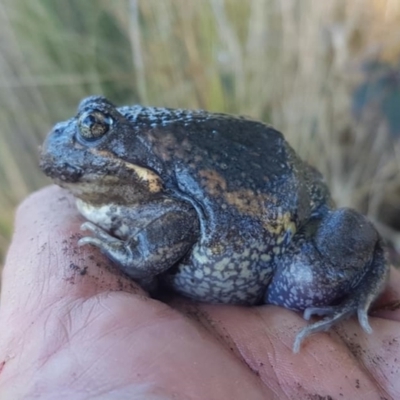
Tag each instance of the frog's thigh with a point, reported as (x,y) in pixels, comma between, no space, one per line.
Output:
(303,279)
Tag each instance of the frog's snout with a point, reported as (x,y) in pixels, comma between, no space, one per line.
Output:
(59,170)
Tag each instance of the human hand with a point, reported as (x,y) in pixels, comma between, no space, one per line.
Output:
(73,327)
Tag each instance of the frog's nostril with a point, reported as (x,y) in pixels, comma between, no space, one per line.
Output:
(59,128)
(56,131)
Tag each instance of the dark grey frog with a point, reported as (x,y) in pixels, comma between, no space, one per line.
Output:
(219,208)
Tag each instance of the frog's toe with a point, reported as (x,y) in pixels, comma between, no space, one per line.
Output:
(319,326)
(97,232)
(333,315)
(89,226)
(111,246)
(339,312)
(90,240)
(363,320)
(320,311)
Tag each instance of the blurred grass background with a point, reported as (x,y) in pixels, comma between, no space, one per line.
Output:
(324,73)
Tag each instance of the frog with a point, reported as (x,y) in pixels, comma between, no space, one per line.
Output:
(216,208)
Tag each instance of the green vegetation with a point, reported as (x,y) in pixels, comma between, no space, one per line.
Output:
(292,64)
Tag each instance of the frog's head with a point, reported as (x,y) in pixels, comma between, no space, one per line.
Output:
(97,156)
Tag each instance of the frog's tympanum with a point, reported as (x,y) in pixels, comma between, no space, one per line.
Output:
(218,208)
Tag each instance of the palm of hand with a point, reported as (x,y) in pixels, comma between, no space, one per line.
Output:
(76,328)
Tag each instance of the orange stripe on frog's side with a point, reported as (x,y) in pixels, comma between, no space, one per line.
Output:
(247,202)
(153,181)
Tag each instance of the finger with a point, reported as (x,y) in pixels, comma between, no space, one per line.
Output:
(44,263)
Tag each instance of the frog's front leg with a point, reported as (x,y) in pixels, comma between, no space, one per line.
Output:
(335,269)
(155,248)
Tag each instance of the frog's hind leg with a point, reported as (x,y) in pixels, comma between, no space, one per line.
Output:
(336,270)
(359,300)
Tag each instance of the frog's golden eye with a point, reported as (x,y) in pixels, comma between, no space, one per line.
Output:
(94,124)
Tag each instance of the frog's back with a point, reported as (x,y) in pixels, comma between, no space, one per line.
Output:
(241,173)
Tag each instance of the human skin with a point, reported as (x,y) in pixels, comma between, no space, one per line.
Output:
(73,327)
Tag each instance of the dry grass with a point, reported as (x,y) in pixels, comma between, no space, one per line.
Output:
(293,64)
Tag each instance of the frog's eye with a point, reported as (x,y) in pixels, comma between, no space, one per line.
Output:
(94,124)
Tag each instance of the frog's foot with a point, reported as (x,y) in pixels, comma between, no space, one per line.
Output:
(112,247)
(150,251)
(118,251)
(332,315)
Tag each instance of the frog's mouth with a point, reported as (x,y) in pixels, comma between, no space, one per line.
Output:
(60,171)
(106,177)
